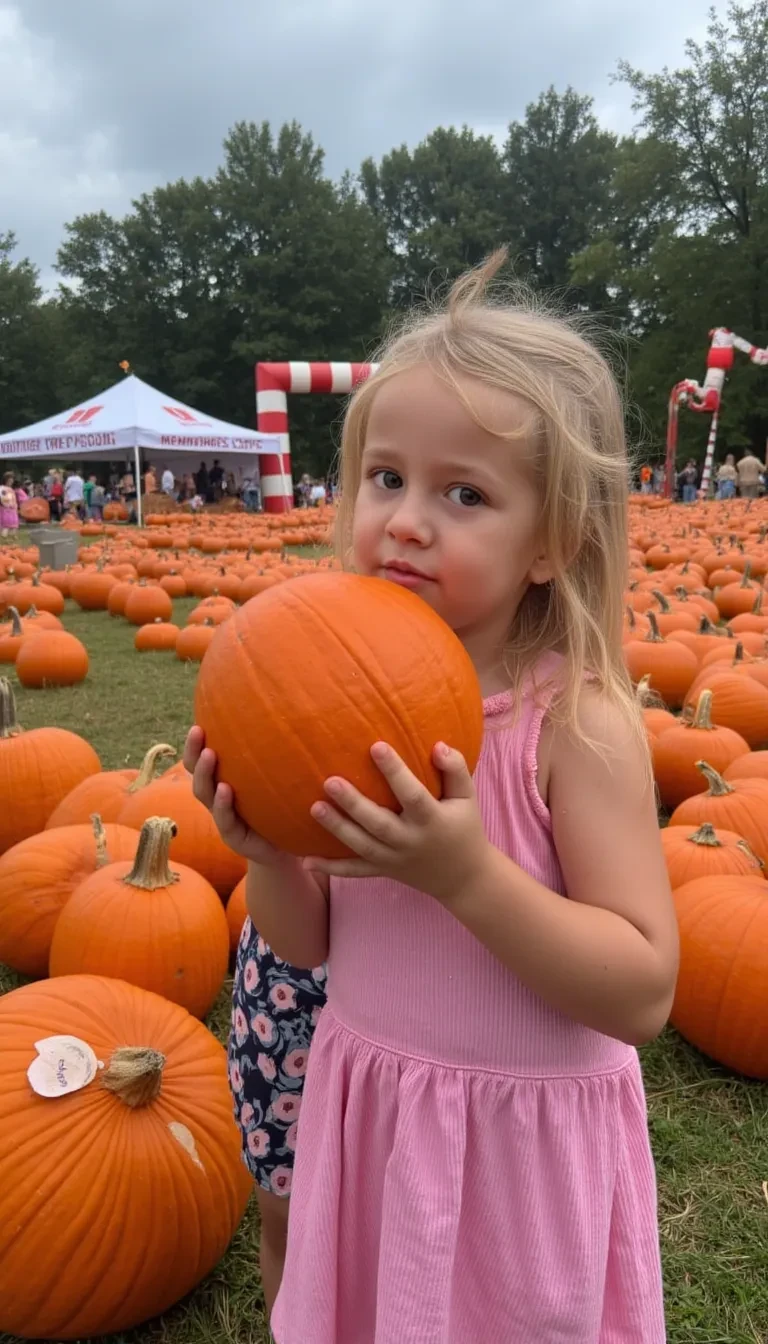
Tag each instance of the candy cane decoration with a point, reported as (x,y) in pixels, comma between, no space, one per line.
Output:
(273,383)
(706,397)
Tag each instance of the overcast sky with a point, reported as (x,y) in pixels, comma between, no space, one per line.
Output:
(103,99)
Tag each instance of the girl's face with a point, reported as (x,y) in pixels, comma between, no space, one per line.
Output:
(448,509)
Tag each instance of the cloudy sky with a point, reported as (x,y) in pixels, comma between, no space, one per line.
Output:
(103,99)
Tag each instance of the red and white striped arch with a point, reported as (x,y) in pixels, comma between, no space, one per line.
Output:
(274,384)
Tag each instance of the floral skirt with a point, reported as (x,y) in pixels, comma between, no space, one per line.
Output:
(275,1009)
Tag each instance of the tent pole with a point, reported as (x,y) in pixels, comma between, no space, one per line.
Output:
(137,459)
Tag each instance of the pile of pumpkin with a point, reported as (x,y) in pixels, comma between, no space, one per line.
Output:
(113,883)
(137,575)
(696,645)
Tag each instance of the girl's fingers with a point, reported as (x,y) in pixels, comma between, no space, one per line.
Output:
(378,822)
(204,777)
(340,867)
(363,844)
(416,801)
(192,748)
(457,781)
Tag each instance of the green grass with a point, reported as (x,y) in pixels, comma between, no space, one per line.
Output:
(709,1129)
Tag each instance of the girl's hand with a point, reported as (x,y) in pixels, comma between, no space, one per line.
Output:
(437,846)
(200,761)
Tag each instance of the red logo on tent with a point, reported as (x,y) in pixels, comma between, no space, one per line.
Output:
(83,416)
(186,417)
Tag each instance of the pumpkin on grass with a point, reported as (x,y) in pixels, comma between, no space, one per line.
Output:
(150,1186)
(51,658)
(158,636)
(37,769)
(670,666)
(37,878)
(236,913)
(721,999)
(677,749)
(701,851)
(193,642)
(197,843)
(145,602)
(383,667)
(740,806)
(108,791)
(90,589)
(154,925)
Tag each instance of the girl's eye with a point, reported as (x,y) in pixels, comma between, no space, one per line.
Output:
(387,480)
(466,496)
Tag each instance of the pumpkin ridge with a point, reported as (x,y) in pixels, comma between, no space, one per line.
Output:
(734,969)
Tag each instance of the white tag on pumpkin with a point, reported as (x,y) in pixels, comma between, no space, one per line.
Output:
(64,1064)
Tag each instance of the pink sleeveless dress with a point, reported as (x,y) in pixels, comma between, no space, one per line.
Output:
(472,1166)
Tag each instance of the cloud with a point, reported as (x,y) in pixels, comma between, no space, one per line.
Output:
(101,102)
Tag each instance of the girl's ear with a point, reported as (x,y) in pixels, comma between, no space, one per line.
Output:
(541,571)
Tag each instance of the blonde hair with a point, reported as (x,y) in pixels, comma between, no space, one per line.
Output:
(580,460)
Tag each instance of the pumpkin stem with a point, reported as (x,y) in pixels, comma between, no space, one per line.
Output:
(654,635)
(703,715)
(661,598)
(745,580)
(738,653)
(646,697)
(705,626)
(757,606)
(16,626)
(134,1074)
(718,787)
(631,621)
(682,594)
(150,867)
(9,724)
(147,770)
(100,836)
(705,836)
(745,849)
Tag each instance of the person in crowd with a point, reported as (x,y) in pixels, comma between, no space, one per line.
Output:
(659,477)
(53,490)
(726,478)
(646,479)
(74,493)
(304,490)
(167,482)
(215,481)
(202,482)
(749,470)
(317,494)
(150,480)
(97,501)
(251,494)
(688,481)
(88,488)
(472,1154)
(9,506)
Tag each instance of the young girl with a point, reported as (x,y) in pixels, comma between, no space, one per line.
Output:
(473,1163)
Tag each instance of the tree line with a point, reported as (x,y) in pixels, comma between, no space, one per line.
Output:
(661,235)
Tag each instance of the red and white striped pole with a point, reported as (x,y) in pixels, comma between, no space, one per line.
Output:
(273,384)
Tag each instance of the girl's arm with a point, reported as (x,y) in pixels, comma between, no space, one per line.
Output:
(607,956)
(289,908)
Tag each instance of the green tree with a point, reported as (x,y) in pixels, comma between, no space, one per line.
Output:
(441,205)
(558,167)
(26,349)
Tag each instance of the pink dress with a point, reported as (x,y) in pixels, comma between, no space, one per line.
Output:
(472,1166)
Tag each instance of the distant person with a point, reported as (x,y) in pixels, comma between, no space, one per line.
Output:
(251,495)
(659,477)
(97,501)
(74,493)
(646,479)
(215,480)
(87,492)
(726,478)
(150,480)
(689,479)
(202,483)
(54,493)
(9,506)
(317,494)
(749,471)
(167,482)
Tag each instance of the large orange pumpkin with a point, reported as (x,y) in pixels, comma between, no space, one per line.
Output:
(325,666)
(721,1000)
(740,806)
(51,658)
(702,851)
(198,844)
(108,791)
(37,878)
(155,926)
(143,1186)
(676,750)
(37,770)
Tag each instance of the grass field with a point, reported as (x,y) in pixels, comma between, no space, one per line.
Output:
(709,1130)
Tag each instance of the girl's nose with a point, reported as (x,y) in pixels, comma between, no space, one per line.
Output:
(409,522)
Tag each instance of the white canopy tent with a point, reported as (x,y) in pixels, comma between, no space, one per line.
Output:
(131,415)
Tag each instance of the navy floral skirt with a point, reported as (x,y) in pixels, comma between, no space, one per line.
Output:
(275,1008)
